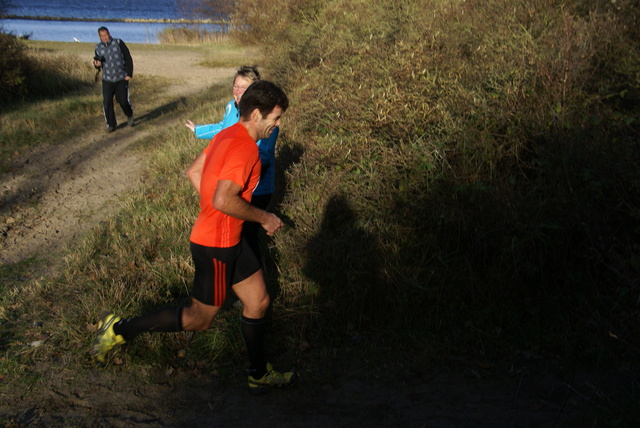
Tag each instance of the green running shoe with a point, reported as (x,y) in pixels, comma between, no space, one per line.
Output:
(106,339)
(272,379)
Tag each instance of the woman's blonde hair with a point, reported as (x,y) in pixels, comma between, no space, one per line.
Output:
(249,71)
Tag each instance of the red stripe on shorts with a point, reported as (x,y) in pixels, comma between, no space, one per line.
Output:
(219,282)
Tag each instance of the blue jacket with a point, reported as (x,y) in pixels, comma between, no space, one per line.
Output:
(231,117)
(266,147)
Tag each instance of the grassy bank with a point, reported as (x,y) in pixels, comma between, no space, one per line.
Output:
(472,167)
(58,311)
(461,181)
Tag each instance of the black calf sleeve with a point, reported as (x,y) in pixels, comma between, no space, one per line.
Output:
(253,332)
(165,320)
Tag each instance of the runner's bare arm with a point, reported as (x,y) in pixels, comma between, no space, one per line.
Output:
(194,172)
(227,199)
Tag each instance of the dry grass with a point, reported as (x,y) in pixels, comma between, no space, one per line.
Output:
(43,109)
(192,35)
(452,153)
(459,178)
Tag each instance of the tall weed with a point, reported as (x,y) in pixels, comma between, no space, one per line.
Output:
(29,74)
(192,34)
(460,166)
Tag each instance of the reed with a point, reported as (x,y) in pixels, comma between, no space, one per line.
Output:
(192,34)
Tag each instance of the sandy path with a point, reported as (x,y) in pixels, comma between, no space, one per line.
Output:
(80,182)
(183,69)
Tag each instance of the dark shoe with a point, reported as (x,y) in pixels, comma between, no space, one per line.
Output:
(130,120)
(111,128)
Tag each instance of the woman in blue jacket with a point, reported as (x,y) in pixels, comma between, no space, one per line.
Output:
(243,78)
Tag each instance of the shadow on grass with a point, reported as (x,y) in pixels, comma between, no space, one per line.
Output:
(287,156)
(158,112)
(345,261)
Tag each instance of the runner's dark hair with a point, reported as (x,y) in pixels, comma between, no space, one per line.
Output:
(264,96)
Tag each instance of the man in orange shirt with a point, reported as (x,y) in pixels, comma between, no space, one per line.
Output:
(225,175)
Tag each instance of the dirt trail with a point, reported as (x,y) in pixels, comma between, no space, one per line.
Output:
(76,184)
(79,183)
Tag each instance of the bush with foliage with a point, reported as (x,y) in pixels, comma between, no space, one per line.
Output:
(30,74)
(463,173)
(13,66)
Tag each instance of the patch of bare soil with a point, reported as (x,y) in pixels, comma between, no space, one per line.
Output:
(79,183)
(58,192)
(529,394)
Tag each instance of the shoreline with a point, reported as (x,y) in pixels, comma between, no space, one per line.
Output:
(132,20)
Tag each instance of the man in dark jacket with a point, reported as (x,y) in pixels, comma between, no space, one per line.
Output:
(112,55)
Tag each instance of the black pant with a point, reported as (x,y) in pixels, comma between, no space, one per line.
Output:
(121,91)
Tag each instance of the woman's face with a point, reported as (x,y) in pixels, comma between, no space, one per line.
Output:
(240,84)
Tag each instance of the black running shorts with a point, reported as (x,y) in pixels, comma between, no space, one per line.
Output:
(217,269)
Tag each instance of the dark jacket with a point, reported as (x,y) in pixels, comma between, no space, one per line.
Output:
(116,60)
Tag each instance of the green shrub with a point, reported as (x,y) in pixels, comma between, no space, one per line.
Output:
(467,170)
(30,74)
(13,66)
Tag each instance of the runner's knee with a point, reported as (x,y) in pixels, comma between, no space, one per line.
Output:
(257,308)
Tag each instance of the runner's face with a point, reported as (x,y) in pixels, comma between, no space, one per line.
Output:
(267,124)
(240,84)
(104,36)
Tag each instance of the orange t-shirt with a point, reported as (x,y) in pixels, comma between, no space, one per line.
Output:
(231,155)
